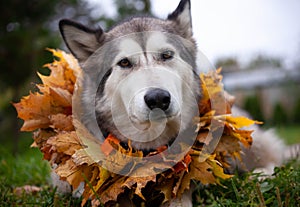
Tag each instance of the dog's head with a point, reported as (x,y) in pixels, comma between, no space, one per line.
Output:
(140,76)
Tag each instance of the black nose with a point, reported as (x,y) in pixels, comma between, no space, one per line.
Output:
(158,98)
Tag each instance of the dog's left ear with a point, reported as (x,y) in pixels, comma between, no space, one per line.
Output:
(182,18)
(81,40)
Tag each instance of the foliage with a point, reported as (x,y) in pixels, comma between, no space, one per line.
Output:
(230,64)
(22,37)
(25,33)
(296,112)
(264,61)
(126,9)
(280,116)
(252,105)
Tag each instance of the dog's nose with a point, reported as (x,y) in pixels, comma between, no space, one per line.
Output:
(158,98)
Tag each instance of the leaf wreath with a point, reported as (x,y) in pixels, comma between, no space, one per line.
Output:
(49,114)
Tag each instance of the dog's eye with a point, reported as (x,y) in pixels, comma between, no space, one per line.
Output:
(167,55)
(124,63)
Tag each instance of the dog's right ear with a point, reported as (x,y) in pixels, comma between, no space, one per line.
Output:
(182,18)
(81,41)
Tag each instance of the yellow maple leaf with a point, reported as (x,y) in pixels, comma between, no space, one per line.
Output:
(240,121)
(217,169)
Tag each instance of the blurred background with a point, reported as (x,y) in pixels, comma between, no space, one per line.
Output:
(257,43)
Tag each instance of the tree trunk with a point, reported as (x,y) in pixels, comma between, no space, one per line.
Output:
(15,125)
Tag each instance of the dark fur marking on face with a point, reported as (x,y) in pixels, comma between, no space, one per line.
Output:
(102,83)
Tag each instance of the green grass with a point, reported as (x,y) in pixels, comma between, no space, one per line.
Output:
(282,189)
(28,168)
(291,134)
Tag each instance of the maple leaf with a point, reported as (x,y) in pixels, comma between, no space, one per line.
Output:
(34,117)
(140,181)
(55,95)
(65,142)
(213,96)
(63,72)
(71,172)
(107,146)
(183,164)
(61,122)
(240,122)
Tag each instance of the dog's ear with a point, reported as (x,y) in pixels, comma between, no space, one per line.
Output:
(81,41)
(182,18)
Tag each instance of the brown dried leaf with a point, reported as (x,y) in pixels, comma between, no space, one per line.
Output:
(112,191)
(166,187)
(61,122)
(65,142)
(229,145)
(41,136)
(201,171)
(34,117)
(27,189)
(72,173)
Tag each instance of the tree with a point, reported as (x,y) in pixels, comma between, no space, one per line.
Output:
(252,105)
(25,32)
(230,64)
(280,117)
(264,61)
(125,9)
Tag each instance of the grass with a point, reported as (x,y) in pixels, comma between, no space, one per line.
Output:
(282,189)
(291,133)
(28,168)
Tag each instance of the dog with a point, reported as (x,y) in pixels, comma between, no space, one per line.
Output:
(142,82)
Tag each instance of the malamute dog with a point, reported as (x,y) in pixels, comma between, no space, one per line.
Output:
(142,80)
(142,75)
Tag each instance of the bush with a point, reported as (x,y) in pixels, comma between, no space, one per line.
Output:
(296,112)
(252,105)
(279,115)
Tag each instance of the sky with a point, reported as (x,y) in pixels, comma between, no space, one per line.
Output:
(240,28)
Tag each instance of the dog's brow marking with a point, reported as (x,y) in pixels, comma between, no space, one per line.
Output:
(129,47)
(144,59)
(156,42)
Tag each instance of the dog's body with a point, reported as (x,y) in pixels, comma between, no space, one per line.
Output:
(142,80)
